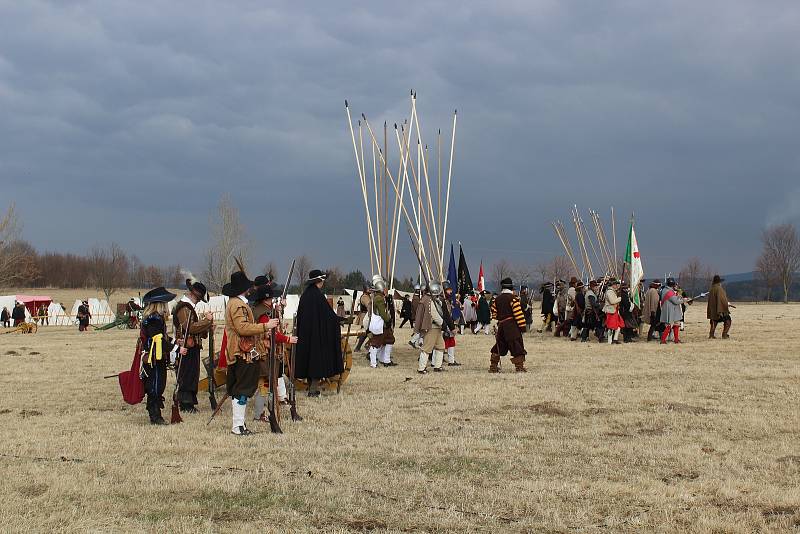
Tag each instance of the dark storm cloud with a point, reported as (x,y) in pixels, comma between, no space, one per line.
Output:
(118,118)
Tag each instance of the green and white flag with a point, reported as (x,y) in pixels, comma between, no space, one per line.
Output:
(634,261)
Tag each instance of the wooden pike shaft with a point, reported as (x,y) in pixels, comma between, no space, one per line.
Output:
(403,165)
(428,190)
(361,178)
(409,221)
(449,178)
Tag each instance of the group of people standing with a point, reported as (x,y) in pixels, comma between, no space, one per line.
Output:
(609,309)
(253,328)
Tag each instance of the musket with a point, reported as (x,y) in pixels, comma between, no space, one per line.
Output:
(701,295)
(176,411)
(219,407)
(292,390)
(212,386)
(273,381)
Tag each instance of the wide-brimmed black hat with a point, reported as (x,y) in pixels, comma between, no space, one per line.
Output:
(263,293)
(316,275)
(717,279)
(158,294)
(198,288)
(506,283)
(239,284)
(579,284)
(671,282)
(261,280)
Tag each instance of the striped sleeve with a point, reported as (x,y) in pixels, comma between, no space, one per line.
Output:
(516,309)
(494,309)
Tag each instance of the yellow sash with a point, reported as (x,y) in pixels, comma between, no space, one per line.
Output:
(155,346)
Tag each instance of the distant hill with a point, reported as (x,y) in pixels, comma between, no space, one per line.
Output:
(740,277)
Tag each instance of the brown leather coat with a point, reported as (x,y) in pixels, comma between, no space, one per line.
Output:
(239,322)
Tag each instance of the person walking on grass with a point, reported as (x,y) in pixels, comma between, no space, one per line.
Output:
(484,315)
(718,310)
(5,317)
(428,325)
(507,310)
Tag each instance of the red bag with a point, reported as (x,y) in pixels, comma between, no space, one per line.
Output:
(130,382)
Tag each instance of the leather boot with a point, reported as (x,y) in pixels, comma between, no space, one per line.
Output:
(726,327)
(519,364)
(493,364)
(712,330)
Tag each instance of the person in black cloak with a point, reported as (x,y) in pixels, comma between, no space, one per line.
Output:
(319,345)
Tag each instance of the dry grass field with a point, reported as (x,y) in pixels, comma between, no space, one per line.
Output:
(703,437)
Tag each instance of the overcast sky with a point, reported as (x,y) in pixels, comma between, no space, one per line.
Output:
(126,121)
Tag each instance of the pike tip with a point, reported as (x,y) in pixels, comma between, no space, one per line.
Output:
(345,103)
(363,116)
(395,126)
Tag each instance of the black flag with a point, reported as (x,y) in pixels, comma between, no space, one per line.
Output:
(465,286)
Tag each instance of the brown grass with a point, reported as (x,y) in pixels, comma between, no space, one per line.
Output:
(702,437)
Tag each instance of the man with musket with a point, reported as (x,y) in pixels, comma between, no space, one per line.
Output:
(263,308)
(507,310)
(189,332)
(245,348)
(318,354)
(718,310)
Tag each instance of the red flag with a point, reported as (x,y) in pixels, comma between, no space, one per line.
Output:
(481,286)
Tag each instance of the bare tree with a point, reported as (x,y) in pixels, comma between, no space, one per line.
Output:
(228,243)
(302,267)
(501,269)
(109,269)
(17,258)
(782,248)
(767,273)
(271,270)
(559,268)
(695,276)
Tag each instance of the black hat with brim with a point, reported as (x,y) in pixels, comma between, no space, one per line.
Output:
(198,288)
(506,283)
(316,275)
(159,294)
(239,284)
(263,293)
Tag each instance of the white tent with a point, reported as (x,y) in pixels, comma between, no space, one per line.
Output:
(100,310)
(57,316)
(8,301)
(215,305)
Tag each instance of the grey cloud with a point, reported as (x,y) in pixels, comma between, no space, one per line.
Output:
(684,112)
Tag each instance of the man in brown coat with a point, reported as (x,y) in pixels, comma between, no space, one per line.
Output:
(507,310)
(245,347)
(184,316)
(650,311)
(718,310)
